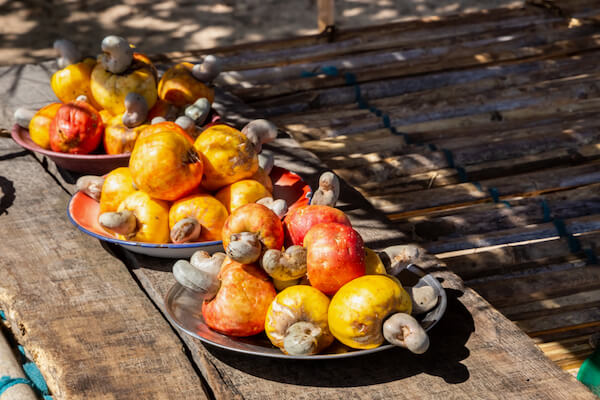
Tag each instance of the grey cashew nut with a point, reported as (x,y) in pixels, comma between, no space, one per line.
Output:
(200,274)
(68,53)
(396,258)
(157,120)
(117,54)
(259,132)
(121,222)
(329,190)
(186,230)
(285,266)
(301,338)
(90,185)
(187,124)
(266,161)
(198,111)
(208,69)
(244,247)
(279,206)
(136,110)
(402,330)
(424,298)
(23,116)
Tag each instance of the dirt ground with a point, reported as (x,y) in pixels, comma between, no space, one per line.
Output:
(29,27)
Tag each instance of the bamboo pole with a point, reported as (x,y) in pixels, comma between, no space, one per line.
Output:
(326,11)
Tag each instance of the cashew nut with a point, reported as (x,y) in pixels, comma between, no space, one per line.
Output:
(302,338)
(23,117)
(328,191)
(187,124)
(68,53)
(82,97)
(279,206)
(259,132)
(117,54)
(244,247)
(136,110)
(266,161)
(287,265)
(200,273)
(207,69)
(90,185)
(424,298)
(403,330)
(396,258)
(121,222)
(186,230)
(198,111)
(157,120)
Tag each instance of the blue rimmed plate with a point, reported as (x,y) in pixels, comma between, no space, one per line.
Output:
(83,211)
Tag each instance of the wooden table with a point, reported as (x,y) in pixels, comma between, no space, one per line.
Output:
(91,314)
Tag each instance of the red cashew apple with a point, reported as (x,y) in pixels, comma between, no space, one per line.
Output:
(76,128)
(335,255)
(299,220)
(241,303)
(255,218)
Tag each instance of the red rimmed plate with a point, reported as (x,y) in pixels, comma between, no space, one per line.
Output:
(83,212)
(96,164)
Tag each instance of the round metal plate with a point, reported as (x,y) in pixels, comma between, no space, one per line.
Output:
(183,308)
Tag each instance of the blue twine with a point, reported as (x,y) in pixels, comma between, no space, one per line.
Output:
(2,315)
(34,378)
(7,382)
(561,227)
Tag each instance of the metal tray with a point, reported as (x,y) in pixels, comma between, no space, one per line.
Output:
(183,308)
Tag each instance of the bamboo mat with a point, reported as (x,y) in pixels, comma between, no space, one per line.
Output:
(476,134)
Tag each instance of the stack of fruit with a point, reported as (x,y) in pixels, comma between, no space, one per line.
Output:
(106,103)
(330,286)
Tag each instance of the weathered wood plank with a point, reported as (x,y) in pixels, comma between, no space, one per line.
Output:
(76,308)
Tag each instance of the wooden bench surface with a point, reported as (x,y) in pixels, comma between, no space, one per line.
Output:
(476,135)
(90,314)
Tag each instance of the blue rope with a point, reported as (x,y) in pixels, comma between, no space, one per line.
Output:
(573,242)
(7,382)
(34,379)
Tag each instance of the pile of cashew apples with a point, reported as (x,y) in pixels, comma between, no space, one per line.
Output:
(302,275)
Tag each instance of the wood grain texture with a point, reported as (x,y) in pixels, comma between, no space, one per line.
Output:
(72,305)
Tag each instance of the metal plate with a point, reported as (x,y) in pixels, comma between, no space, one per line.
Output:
(183,308)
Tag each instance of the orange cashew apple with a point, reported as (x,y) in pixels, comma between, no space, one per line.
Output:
(179,87)
(39,126)
(117,186)
(165,164)
(241,192)
(228,156)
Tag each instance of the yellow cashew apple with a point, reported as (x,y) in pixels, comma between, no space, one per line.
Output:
(241,192)
(152,218)
(75,80)
(208,211)
(358,309)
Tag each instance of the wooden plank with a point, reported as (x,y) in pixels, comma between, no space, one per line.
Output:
(521,290)
(73,306)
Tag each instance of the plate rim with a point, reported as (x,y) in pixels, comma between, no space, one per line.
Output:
(16,136)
